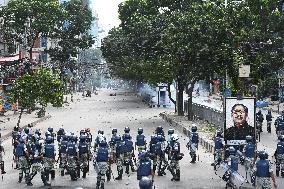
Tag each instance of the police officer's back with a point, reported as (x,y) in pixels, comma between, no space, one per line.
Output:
(144,165)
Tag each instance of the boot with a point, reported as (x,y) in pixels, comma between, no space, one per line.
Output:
(52,174)
(102,185)
(119,175)
(43,178)
(20,178)
(2,168)
(108,175)
(178,175)
(78,172)
(47,175)
(127,169)
(193,158)
(98,184)
(173,173)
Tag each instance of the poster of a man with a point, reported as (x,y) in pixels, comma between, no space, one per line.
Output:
(239,120)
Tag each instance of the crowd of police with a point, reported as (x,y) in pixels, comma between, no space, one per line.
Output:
(258,169)
(37,153)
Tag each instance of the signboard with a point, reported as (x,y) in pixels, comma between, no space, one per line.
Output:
(244,70)
(239,120)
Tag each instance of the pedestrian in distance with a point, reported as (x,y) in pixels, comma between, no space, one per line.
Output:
(259,120)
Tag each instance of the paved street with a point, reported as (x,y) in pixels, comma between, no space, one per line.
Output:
(104,112)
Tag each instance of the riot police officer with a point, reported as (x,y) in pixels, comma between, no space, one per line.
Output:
(160,151)
(152,152)
(218,149)
(193,143)
(263,172)
(112,145)
(36,160)
(279,124)
(62,153)
(140,140)
(279,155)
(269,120)
(2,151)
(101,161)
(100,137)
(49,153)
(126,132)
(249,155)
(128,153)
(144,166)
(83,156)
(22,155)
(72,158)
(170,142)
(170,133)
(145,183)
(119,156)
(60,134)
(233,163)
(175,156)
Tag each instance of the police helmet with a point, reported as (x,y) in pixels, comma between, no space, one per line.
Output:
(50,129)
(100,132)
(232,150)
(103,143)
(38,132)
(145,183)
(83,138)
(219,133)
(193,128)
(281,138)
(262,155)
(49,140)
(171,131)
(142,154)
(127,136)
(248,138)
(159,129)
(21,140)
(174,137)
(27,130)
(82,132)
(126,129)
(47,133)
(140,131)
(114,130)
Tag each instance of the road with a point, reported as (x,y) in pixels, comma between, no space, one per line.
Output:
(103,112)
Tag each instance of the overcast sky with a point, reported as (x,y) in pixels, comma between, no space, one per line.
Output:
(108,12)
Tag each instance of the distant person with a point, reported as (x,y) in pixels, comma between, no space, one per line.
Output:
(240,128)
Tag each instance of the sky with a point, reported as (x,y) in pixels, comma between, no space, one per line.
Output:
(107,11)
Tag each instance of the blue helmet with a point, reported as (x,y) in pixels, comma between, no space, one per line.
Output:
(249,138)
(126,130)
(262,155)
(127,136)
(103,143)
(219,133)
(114,130)
(159,129)
(232,150)
(145,183)
(83,138)
(193,128)
(100,132)
(27,130)
(50,129)
(82,132)
(49,140)
(142,154)
(140,131)
(171,131)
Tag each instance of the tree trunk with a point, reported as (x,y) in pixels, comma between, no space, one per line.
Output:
(20,116)
(189,103)
(170,96)
(180,88)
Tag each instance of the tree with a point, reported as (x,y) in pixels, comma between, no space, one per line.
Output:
(26,20)
(40,88)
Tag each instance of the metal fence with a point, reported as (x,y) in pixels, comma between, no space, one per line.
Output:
(206,113)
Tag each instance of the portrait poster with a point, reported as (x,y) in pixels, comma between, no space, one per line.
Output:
(239,120)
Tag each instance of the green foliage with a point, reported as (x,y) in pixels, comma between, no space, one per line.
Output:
(41,87)
(268,87)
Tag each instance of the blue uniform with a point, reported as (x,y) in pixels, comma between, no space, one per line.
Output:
(144,168)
